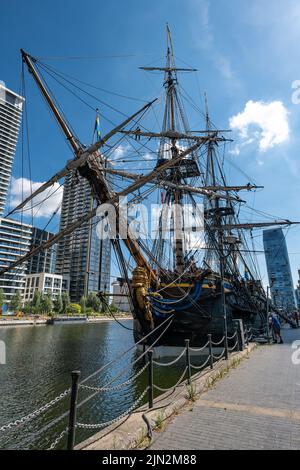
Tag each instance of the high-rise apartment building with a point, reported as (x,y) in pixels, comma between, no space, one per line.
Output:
(279,270)
(10,119)
(82,259)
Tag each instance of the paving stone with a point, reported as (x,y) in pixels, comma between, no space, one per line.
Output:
(267,380)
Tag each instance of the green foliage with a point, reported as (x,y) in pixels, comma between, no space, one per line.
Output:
(113,308)
(58,304)
(46,303)
(65,302)
(83,305)
(16,302)
(93,302)
(89,311)
(36,302)
(74,309)
(27,309)
(2,298)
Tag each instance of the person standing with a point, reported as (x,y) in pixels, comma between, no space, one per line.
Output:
(276,327)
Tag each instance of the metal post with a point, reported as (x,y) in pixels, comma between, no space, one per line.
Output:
(237,338)
(188,360)
(268,329)
(73,409)
(246,336)
(223,300)
(211,352)
(150,378)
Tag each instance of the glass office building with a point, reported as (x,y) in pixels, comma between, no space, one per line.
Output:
(279,270)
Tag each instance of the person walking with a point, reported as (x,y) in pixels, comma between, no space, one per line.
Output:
(276,327)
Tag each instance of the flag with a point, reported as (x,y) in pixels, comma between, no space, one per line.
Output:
(97,131)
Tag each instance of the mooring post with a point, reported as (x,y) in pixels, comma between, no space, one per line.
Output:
(188,360)
(150,378)
(210,352)
(75,375)
(246,336)
(226,347)
(236,335)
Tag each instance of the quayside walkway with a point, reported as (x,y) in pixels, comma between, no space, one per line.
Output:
(257,406)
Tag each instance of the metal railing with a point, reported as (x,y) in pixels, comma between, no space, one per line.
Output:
(186,355)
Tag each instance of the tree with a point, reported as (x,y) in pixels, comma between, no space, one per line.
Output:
(16,302)
(83,305)
(27,309)
(58,304)
(2,298)
(36,302)
(93,302)
(74,309)
(65,302)
(46,303)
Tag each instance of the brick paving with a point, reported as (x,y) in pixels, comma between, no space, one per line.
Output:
(257,406)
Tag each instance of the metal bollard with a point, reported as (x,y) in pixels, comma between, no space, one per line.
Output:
(237,340)
(150,378)
(75,375)
(226,348)
(188,360)
(211,352)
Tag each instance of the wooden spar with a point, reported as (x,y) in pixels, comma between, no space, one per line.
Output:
(29,62)
(132,245)
(168,69)
(81,158)
(205,190)
(212,136)
(253,225)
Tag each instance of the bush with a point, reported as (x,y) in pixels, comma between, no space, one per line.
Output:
(74,309)
(89,311)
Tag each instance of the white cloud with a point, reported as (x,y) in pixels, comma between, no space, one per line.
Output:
(203,33)
(22,188)
(266,123)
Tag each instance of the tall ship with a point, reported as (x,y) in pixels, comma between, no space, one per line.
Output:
(192,260)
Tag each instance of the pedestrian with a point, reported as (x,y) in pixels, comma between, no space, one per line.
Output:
(276,328)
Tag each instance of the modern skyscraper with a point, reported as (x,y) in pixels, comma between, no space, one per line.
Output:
(10,118)
(44,261)
(82,259)
(15,241)
(279,270)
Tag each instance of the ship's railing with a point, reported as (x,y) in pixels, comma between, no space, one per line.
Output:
(211,352)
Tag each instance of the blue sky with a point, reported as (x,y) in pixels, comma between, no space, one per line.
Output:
(244,52)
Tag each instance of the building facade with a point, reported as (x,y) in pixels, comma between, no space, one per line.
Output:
(44,261)
(279,270)
(82,259)
(46,283)
(10,118)
(15,241)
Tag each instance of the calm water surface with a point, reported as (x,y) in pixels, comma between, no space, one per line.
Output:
(39,361)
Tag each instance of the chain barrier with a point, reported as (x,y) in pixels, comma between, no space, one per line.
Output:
(58,439)
(115,387)
(200,349)
(168,364)
(219,343)
(219,357)
(202,366)
(233,347)
(34,414)
(229,338)
(175,386)
(115,420)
